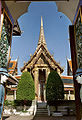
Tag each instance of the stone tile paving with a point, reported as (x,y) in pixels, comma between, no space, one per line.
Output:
(16,117)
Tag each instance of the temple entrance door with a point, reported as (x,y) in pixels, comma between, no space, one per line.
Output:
(42,79)
(42,91)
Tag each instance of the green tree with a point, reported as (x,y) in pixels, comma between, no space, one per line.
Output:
(25,88)
(54,87)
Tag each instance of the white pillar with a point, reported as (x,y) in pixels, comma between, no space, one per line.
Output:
(65,96)
(69,95)
(36,83)
(39,89)
(44,92)
(14,94)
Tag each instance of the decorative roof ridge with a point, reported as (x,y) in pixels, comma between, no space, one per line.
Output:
(13,77)
(17,75)
(50,63)
(35,53)
(37,49)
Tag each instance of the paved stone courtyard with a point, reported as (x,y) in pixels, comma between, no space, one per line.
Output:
(16,117)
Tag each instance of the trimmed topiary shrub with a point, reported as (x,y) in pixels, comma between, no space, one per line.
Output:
(25,88)
(54,87)
(21,103)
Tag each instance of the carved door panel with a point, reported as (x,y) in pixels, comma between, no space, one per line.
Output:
(42,92)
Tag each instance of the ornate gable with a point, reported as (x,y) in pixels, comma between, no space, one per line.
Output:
(42,59)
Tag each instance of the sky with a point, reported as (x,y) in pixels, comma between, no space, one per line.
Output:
(56,31)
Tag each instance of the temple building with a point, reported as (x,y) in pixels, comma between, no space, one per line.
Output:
(68,82)
(68,87)
(40,65)
(13,72)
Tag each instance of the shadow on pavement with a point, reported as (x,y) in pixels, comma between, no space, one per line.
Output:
(5,117)
(54,118)
(42,118)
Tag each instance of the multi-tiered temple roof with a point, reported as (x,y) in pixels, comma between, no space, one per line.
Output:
(42,55)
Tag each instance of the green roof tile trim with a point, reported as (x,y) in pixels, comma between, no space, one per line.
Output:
(67,81)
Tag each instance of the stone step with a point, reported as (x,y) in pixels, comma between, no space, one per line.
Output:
(38,115)
(42,109)
(41,115)
(42,112)
(41,104)
(57,114)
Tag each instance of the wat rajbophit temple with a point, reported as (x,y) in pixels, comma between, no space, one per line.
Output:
(40,65)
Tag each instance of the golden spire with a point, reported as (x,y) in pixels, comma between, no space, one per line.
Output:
(41,36)
(41,21)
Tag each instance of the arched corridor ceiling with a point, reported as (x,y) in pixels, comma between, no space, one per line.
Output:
(18,8)
(68,8)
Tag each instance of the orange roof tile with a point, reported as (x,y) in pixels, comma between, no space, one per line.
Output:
(13,88)
(66,77)
(18,76)
(67,89)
